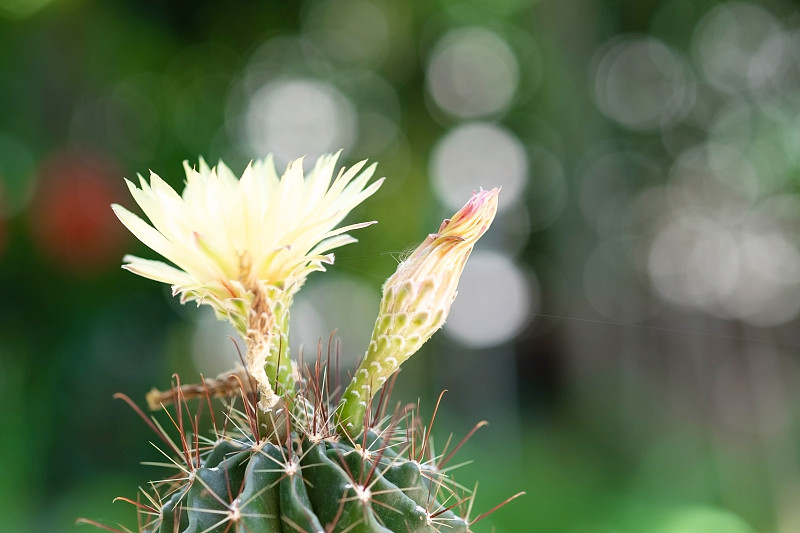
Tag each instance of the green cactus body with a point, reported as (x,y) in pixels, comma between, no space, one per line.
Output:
(329,485)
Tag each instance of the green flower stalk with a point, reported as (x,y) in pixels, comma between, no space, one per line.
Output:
(415,304)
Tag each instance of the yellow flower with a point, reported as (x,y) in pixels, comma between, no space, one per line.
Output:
(228,238)
(416,301)
(245,246)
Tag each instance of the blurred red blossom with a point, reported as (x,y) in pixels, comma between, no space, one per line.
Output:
(71,217)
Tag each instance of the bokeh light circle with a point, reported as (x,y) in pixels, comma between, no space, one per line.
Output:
(714,180)
(494,302)
(642,83)
(693,261)
(478,155)
(472,72)
(740,46)
(768,292)
(747,270)
(291,117)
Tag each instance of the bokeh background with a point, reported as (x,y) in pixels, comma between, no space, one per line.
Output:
(629,326)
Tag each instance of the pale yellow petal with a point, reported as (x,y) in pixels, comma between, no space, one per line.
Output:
(156,270)
(145,233)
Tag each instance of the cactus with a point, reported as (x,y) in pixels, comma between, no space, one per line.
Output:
(289,451)
(309,479)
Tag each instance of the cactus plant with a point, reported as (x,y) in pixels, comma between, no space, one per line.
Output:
(289,451)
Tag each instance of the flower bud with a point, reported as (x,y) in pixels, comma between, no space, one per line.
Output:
(416,301)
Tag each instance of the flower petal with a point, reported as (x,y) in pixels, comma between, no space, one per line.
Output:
(156,270)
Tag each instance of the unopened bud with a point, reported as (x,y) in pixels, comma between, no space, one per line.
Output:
(416,301)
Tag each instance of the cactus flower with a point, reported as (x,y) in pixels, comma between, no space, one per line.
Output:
(416,301)
(245,246)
